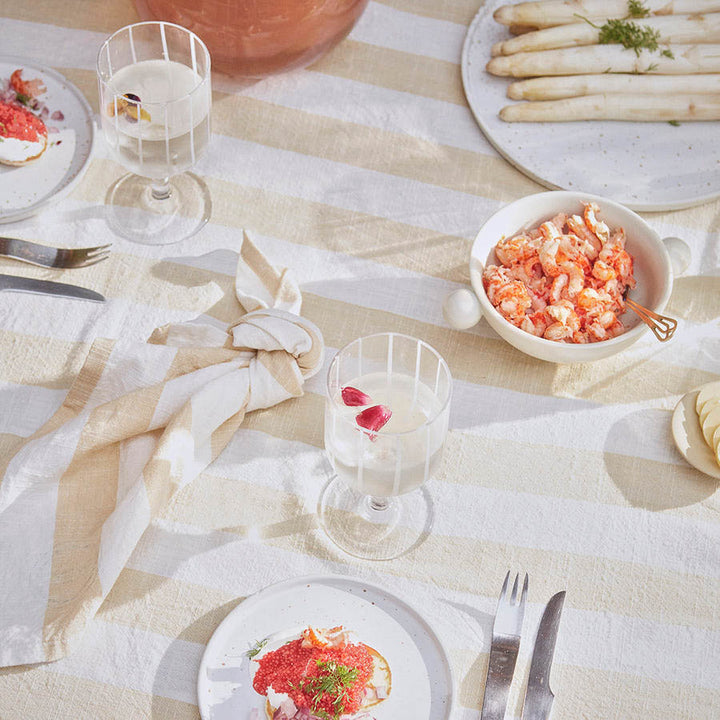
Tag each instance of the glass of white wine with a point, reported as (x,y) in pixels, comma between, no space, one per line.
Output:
(386,420)
(155,97)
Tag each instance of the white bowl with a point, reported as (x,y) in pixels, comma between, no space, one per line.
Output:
(652,269)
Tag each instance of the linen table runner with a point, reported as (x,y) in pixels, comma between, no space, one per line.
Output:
(140,422)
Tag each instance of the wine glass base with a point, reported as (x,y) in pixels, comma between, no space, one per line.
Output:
(132,212)
(374,528)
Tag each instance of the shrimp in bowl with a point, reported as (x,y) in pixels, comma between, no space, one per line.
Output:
(563,280)
(551,272)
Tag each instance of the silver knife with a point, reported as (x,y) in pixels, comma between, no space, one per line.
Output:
(539,697)
(14,283)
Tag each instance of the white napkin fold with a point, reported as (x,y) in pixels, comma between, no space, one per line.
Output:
(140,422)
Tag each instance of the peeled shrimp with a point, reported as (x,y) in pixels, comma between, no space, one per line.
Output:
(494,279)
(516,249)
(597,227)
(566,320)
(513,300)
(563,280)
(590,244)
(535,324)
(604,326)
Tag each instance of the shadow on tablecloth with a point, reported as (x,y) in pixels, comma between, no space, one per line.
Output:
(653,485)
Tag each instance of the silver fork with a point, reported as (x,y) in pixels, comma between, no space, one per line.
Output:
(36,254)
(504,649)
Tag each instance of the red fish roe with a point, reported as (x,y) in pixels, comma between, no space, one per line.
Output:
(17,122)
(285,668)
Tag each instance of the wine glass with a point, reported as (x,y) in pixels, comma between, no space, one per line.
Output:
(155,97)
(386,419)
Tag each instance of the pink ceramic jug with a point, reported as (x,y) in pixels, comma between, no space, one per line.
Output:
(256,38)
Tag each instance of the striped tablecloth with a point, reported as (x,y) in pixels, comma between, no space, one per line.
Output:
(367,176)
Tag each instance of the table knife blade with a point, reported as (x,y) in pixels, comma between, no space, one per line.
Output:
(538,696)
(14,283)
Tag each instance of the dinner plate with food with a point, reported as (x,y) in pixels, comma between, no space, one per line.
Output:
(618,98)
(46,137)
(324,648)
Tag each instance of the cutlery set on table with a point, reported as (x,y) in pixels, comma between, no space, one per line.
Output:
(506,636)
(51,257)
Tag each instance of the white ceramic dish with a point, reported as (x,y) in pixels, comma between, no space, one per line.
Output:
(689,438)
(422,685)
(652,269)
(645,166)
(26,190)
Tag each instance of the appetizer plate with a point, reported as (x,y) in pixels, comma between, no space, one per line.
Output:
(645,166)
(422,685)
(689,438)
(26,190)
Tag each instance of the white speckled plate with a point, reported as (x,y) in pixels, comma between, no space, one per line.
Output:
(25,190)
(422,685)
(645,166)
(689,438)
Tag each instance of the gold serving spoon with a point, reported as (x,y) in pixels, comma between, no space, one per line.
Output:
(663,327)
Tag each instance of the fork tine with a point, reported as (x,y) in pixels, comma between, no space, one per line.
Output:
(523,596)
(82,257)
(93,261)
(97,249)
(514,590)
(505,584)
(95,252)
(88,251)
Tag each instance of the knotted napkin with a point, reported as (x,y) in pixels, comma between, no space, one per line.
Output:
(141,421)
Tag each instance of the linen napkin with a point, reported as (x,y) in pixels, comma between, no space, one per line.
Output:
(141,421)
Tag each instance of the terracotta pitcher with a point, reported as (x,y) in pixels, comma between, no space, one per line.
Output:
(256,38)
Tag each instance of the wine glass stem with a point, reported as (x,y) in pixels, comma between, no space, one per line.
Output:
(379,504)
(161,189)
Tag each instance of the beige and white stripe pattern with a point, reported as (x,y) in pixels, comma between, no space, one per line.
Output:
(138,424)
(367,176)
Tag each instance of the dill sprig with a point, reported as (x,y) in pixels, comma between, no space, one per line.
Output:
(629,34)
(636,9)
(333,679)
(256,648)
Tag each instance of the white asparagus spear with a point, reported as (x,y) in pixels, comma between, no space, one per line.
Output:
(610,106)
(521,29)
(557,87)
(546,13)
(591,59)
(671,28)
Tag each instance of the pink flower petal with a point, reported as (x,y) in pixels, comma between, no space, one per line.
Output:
(374,417)
(353,397)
